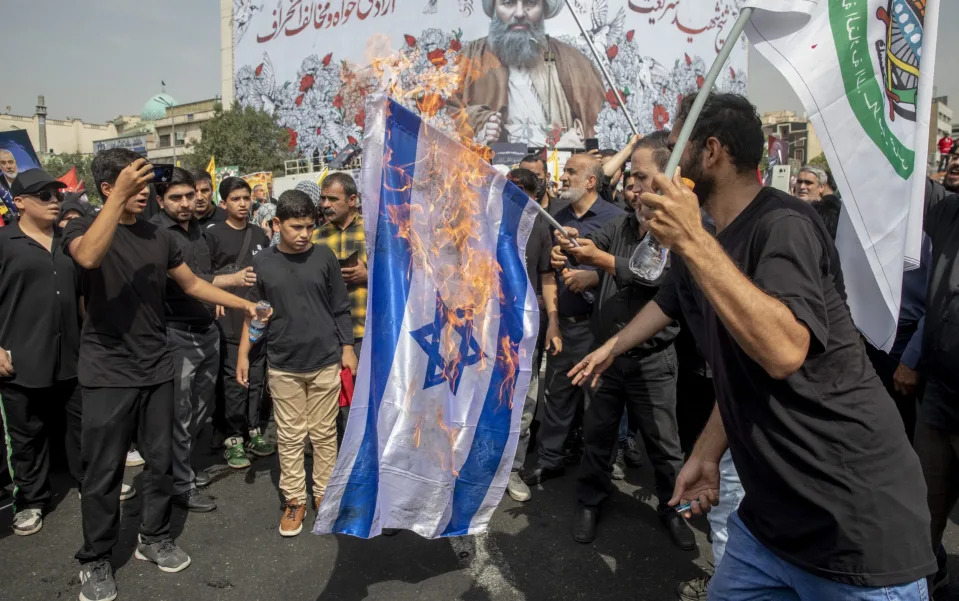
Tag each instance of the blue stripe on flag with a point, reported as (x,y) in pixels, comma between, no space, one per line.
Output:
(493,427)
(389,289)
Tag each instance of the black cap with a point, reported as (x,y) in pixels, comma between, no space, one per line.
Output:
(32,181)
(72,205)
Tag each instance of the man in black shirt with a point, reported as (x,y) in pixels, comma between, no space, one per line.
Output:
(543,279)
(643,379)
(193,337)
(125,367)
(205,210)
(233,244)
(309,339)
(39,337)
(586,212)
(937,429)
(536,164)
(834,502)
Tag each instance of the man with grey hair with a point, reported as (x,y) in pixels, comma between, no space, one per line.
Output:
(809,183)
(523,85)
(586,213)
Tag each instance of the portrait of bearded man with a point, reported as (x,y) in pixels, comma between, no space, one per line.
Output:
(523,85)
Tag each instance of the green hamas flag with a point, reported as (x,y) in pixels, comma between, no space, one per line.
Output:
(858,67)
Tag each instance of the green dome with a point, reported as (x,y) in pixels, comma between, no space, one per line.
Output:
(155,107)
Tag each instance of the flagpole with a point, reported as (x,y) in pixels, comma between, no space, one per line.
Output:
(708,83)
(602,67)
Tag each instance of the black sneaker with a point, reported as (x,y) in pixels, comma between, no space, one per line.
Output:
(619,466)
(631,453)
(96,581)
(192,500)
(168,557)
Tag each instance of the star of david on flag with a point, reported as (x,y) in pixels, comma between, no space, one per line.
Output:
(452,322)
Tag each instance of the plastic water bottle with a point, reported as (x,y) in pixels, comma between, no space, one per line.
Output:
(649,259)
(258,325)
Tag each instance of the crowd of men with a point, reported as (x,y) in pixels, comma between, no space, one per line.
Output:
(739,371)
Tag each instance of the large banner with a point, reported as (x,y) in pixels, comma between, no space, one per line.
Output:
(525,72)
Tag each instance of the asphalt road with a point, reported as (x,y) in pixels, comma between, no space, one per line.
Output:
(528,553)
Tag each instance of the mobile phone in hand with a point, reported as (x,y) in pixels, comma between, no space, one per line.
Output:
(162,174)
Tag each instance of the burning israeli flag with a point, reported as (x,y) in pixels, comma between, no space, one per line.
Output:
(452,321)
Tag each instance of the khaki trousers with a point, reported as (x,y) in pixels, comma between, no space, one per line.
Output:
(305,404)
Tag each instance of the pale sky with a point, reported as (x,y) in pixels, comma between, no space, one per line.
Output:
(96,59)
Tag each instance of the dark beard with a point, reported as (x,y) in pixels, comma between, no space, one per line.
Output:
(517,48)
(692,169)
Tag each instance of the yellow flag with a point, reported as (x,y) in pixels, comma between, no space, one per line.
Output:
(554,163)
(322,177)
(211,169)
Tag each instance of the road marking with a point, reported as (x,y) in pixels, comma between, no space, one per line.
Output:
(484,562)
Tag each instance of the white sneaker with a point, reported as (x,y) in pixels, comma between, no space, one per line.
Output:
(517,489)
(126,492)
(27,522)
(134,459)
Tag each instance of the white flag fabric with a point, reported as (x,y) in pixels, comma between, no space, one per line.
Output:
(863,70)
(451,325)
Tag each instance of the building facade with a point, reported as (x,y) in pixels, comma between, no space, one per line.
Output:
(940,126)
(57,136)
(797,131)
(177,128)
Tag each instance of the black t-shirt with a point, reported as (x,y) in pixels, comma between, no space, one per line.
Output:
(123,343)
(39,322)
(831,482)
(538,248)
(225,244)
(311,309)
(218,215)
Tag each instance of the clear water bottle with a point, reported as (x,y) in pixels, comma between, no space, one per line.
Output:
(649,259)
(258,325)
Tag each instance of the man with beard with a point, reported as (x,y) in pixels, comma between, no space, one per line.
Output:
(809,184)
(205,211)
(585,212)
(8,173)
(643,380)
(522,85)
(824,461)
(937,428)
(536,164)
(344,235)
(192,335)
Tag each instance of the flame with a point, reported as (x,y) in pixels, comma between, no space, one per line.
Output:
(449,236)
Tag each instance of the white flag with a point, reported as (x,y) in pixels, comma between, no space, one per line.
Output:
(863,70)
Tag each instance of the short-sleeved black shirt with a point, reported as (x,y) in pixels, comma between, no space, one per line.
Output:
(538,248)
(832,484)
(218,215)
(123,343)
(572,304)
(225,244)
(311,308)
(39,322)
(180,308)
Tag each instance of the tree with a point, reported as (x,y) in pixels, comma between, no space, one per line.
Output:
(57,165)
(820,161)
(245,137)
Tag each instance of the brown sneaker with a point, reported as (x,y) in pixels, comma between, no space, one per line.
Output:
(292,521)
(317,500)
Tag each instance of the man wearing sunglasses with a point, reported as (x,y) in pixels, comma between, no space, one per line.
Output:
(39,339)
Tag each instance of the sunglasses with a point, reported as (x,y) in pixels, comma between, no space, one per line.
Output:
(48,194)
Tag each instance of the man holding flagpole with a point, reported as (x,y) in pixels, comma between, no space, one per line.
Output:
(834,506)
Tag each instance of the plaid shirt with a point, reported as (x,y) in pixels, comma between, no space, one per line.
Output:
(344,243)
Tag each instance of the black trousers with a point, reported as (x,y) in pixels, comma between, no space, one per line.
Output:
(647,388)
(241,406)
(109,416)
(885,365)
(38,420)
(561,398)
